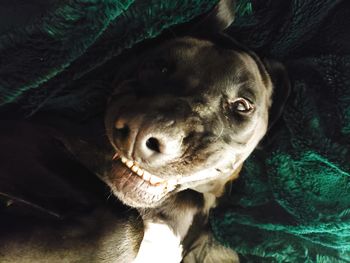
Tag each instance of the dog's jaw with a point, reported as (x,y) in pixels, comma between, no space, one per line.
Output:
(130,186)
(132,189)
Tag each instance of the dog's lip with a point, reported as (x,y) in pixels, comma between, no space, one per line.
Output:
(148,178)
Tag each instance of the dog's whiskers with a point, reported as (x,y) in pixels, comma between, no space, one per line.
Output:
(110,194)
(220,133)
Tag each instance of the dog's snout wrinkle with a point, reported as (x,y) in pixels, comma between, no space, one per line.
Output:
(125,134)
(149,140)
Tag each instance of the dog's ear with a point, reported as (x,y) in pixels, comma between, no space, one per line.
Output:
(214,21)
(281,89)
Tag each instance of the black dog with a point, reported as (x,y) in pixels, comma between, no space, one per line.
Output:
(182,119)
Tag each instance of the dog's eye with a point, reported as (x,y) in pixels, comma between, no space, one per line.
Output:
(242,105)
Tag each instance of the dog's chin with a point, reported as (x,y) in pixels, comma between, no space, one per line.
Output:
(135,191)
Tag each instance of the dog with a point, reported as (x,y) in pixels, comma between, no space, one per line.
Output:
(183,117)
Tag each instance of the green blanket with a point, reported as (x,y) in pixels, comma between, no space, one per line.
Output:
(291,203)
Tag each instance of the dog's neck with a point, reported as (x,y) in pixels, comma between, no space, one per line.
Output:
(171,230)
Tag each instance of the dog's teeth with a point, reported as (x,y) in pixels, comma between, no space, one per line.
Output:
(115,156)
(146,176)
(134,169)
(129,164)
(155,180)
(140,172)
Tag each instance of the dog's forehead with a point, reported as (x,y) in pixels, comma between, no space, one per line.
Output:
(200,54)
(208,64)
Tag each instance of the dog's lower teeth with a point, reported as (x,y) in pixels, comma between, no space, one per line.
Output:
(115,156)
(124,160)
(134,169)
(155,180)
(129,164)
(139,172)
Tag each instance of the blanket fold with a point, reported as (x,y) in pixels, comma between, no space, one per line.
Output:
(292,200)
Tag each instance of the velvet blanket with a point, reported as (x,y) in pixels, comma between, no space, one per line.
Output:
(291,203)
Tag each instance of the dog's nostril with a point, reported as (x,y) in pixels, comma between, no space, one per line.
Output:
(153,144)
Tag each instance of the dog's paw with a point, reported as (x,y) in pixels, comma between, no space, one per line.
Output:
(207,250)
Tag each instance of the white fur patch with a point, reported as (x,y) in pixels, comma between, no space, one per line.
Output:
(209,202)
(159,245)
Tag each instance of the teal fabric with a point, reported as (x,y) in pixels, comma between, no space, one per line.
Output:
(291,202)
(75,37)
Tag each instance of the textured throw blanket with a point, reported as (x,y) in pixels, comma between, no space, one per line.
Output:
(292,201)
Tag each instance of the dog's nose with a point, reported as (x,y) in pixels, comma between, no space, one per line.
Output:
(153,144)
(148,142)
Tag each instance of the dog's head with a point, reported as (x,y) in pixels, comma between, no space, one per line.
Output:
(185,114)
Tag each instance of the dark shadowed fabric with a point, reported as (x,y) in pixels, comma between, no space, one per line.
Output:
(291,203)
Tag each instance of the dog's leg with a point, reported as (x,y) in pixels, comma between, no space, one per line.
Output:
(207,250)
(200,243)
